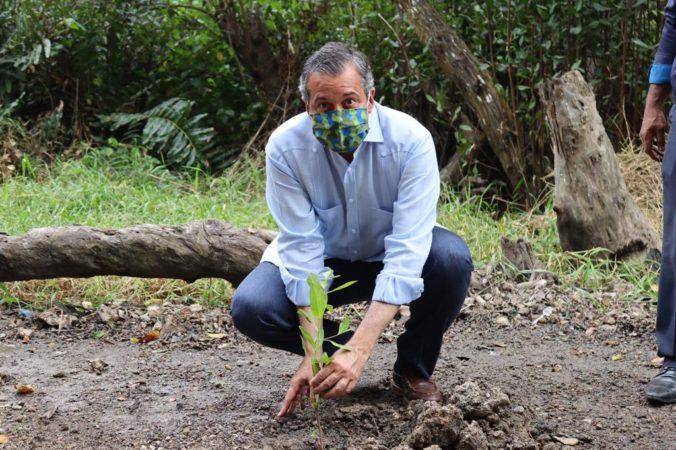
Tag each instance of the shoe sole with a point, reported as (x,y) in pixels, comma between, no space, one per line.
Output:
(660,400)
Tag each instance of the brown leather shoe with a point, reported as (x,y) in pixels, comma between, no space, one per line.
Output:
(416,388)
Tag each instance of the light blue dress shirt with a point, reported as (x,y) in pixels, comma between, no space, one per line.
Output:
(382,206)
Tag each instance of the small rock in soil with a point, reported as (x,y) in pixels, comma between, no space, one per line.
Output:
(24,334)
(196,307)
(107,314)
(502,320)
(98,366)
(56,318)
(154,311)
(567,440)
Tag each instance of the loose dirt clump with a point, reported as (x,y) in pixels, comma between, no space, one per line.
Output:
(477,417)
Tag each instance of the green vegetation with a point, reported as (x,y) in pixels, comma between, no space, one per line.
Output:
(117,186)
(67,63)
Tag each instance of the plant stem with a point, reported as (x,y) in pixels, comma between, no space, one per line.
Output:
(320,432)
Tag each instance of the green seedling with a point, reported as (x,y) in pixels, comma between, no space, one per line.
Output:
(314,339)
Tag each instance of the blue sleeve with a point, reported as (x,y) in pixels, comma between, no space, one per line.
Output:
(300,244)
(660,72)
(414,217)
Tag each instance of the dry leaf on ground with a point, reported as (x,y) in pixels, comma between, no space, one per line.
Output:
(23,389)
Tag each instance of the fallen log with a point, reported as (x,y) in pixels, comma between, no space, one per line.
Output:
(200,249)
(592,204)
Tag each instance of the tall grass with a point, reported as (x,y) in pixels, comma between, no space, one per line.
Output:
(118,186)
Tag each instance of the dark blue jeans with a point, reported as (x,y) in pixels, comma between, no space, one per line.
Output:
(262,311)
(666,305)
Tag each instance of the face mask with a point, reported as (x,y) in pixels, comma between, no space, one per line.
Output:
(341,130)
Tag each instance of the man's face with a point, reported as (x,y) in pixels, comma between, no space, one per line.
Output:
(344,91)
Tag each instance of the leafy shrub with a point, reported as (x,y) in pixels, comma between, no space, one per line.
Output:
(100,57)
(168,129)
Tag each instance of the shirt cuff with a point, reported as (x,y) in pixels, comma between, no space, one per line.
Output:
(298,290)
(397,289)
(660,74)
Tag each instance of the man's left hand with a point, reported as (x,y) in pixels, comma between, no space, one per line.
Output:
(342,374)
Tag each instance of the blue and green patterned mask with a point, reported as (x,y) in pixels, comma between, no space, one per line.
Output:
(341,130)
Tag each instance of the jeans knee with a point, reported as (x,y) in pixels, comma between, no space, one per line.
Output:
(459,264)
(242,313)
(452,256)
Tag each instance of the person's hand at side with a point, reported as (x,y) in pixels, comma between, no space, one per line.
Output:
(655,125)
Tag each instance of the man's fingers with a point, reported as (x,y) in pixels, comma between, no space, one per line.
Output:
(351,386)
(302,393)
(327,384)
(647,141)
(338,390)
(288,400)
(321,375)
(660,145)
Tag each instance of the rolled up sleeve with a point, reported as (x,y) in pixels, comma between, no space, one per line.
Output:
(300,244)
(414,217)
(660,72)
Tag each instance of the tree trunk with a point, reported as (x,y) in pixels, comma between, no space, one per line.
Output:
(200,249)
(494,117)
(247,33)
(520,254)
(591,200)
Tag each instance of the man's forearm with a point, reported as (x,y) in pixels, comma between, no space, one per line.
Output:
(657,95)
(377,318)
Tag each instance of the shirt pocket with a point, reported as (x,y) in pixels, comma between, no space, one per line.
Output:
(378,225)
(330,220)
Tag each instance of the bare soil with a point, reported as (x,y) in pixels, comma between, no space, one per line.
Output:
(575,376)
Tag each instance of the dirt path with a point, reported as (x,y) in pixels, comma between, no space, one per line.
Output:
(580,379)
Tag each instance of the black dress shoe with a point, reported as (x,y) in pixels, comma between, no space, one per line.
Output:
(662,388)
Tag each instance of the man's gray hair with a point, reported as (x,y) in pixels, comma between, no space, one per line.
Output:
(332,59)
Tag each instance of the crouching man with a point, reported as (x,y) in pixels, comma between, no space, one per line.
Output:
(353,186)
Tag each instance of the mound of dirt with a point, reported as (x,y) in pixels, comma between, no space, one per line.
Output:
(477,417)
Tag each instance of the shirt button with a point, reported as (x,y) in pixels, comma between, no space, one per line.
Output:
(354,251)
(353,230)
(351,200)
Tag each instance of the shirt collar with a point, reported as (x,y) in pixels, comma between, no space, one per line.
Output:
(375,134)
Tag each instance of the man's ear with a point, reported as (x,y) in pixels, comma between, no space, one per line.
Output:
(371,102)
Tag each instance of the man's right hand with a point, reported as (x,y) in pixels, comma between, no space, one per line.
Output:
(299,389)
(655,126)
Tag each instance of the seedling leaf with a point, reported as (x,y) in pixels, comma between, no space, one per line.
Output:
(318,298)
(344,325)
(340,346)
(343,286)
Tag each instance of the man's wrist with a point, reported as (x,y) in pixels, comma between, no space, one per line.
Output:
(361,346)
(657,95)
